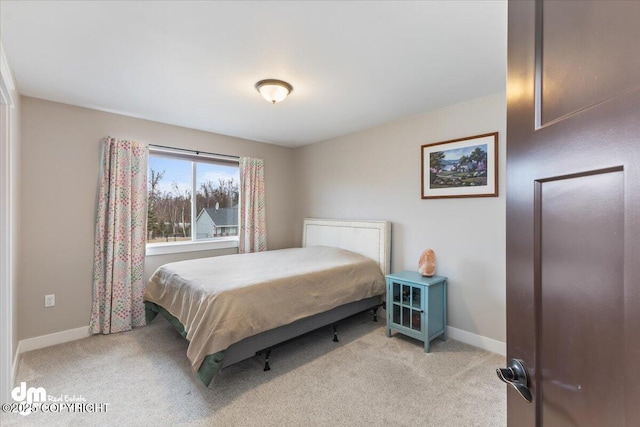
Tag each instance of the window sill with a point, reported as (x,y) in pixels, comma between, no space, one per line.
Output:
(181,247)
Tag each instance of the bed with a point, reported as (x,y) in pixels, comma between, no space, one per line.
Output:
(233,307)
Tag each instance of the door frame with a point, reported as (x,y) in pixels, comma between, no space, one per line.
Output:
(7,107)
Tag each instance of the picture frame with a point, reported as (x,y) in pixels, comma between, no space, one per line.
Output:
(463,167)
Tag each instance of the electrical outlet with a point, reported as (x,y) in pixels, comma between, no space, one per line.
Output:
(50,300)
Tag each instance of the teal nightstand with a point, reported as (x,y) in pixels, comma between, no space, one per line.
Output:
(417,306)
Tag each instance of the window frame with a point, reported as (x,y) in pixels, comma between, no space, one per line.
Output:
(194,245)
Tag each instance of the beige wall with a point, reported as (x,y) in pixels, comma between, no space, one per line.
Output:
(375,174)
(58,184)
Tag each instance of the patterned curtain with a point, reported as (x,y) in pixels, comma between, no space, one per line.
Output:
(121,227)
(253,224)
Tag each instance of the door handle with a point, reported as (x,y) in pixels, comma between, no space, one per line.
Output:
(516,376)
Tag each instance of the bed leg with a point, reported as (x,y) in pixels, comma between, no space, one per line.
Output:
(335,333)
(375,314)
(266,361)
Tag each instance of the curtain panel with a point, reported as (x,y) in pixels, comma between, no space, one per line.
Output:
(253,223)
(120,237)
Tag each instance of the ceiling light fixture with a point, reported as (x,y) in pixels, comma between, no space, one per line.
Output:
(273,90)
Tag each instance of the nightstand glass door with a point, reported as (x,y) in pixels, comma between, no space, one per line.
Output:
(407,303)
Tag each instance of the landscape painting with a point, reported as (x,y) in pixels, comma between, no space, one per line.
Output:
(465,167)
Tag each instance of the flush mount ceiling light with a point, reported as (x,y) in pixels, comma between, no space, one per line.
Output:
(273,90)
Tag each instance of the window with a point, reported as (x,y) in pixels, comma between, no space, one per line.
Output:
(175,218)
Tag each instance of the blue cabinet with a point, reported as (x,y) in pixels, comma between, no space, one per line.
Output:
(417,306)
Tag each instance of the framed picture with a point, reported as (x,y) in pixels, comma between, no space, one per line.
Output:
(465,167)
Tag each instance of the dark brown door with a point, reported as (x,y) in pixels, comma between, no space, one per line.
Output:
(573,211)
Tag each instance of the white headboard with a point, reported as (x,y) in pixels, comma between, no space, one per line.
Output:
(369,238)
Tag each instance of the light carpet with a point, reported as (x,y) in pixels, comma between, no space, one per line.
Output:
(366,379)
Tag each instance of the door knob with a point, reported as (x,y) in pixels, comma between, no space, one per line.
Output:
(516,376)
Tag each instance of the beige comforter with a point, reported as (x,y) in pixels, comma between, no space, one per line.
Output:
(222,300)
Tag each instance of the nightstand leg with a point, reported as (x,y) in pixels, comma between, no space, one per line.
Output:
(426,345)
(444,306)
(388,333)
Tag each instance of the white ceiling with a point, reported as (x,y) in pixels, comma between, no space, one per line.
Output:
(353,65)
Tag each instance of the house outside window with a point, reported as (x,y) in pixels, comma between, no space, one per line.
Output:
(174,177)
(216,222)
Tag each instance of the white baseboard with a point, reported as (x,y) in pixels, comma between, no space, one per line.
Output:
(16,360)
(479,341)
(52,339)
(43,341)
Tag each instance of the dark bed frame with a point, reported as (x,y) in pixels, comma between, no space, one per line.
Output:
(262,343)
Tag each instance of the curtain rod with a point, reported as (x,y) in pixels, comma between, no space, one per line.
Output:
(197,152)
